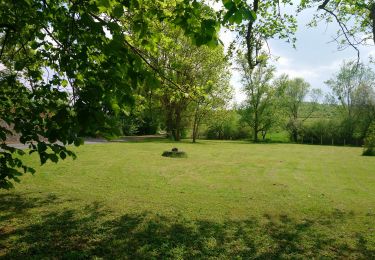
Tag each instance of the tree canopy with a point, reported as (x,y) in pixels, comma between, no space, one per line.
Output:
(68,66)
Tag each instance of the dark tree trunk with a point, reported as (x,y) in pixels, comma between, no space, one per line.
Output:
(195,127)
(256,130)
(295,135)
(255,133)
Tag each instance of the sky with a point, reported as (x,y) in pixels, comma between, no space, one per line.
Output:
(315,58)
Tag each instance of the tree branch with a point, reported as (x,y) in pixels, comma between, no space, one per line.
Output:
(323,5)
(343,27)
(4,43)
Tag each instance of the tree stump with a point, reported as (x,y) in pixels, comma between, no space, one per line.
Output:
(174,153)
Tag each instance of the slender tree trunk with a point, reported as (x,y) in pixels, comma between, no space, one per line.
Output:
(255,133)
(295,135)
(264,133)
(196,136)
(255,128)
(171,121)
(178,126)
(170,125)
(195,126)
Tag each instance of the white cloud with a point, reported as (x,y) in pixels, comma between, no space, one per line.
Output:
(299,73)
(284,61)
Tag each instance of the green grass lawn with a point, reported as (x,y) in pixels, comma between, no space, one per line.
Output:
(226,200)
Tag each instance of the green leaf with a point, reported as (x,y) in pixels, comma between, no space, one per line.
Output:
(30,170)
(62,155)
(118,11)
(64,83)
(19,65)
(236,18)
(103,3)
(228,4)
(42,147)
(53,158)
(78,142)
(249,14)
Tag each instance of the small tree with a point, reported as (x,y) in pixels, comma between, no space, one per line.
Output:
(352,88)
(260,96)
(370,141)
(293,100)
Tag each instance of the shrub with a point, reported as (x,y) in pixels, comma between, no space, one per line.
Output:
(370,141)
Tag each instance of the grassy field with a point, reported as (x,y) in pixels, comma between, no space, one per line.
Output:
(226,200)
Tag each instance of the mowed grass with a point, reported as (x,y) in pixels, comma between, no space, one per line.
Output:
(226,200)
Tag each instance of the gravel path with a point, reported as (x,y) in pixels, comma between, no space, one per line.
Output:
(102,140)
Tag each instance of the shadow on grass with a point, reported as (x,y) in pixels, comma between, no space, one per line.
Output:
(91,232)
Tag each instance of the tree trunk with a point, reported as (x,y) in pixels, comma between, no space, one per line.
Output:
(255,128)
(295,135)
(195,127)
(264,133)
(255,133)
(178,126)
(174,134)
(170,125)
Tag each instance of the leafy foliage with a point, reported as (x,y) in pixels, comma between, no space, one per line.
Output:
(225,124)
(75,66)
(41,117)
(294,93)
(256,22)
(194,78)
(354,90)
(370,141)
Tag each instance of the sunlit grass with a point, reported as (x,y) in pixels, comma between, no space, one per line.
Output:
(226,199)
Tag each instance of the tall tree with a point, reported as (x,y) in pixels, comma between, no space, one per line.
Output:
(215,91)
(200,73)
(215,96)
(260,94)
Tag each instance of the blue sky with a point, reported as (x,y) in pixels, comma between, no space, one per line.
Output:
(314,59)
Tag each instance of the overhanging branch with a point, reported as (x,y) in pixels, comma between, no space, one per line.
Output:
(343,27)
